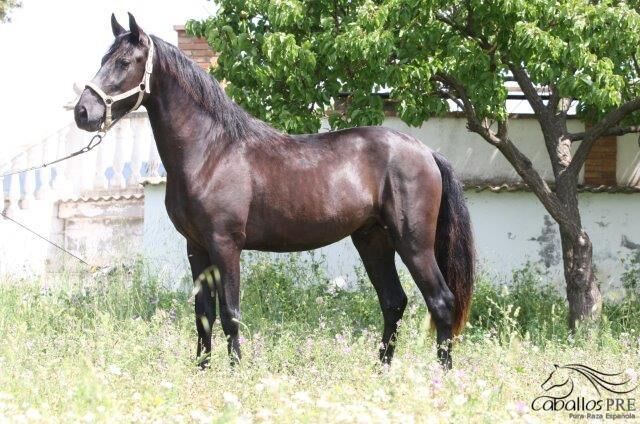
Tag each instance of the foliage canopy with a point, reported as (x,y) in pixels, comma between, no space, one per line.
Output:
(291,61)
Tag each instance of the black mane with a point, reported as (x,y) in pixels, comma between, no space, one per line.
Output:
(207,93)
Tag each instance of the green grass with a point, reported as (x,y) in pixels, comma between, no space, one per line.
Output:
(120,348)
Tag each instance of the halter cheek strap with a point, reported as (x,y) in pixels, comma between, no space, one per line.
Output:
(140,90)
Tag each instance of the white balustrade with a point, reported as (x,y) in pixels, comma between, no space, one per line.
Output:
(29,186)
(137,129)
(44,190)
(117,181)
(1,194)
(154,161)
(73,170)
(60,182)
(14,186)
(129,143)
(86,163)
(100,182)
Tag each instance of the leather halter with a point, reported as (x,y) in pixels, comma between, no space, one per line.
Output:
(140,90)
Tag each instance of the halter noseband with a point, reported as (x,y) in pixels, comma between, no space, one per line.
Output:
(143,87)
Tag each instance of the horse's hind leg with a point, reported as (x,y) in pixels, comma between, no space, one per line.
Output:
(376,251)
(205,299)
(410,211)
(421,261)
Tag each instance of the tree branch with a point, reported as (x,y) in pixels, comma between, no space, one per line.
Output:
(529,91)
(447,95)
(520,162)
(473,122)
(554,99)
(613,131)
(598,130)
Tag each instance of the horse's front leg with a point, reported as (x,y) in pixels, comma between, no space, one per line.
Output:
(225,255)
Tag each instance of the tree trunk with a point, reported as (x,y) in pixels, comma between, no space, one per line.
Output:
(583,293)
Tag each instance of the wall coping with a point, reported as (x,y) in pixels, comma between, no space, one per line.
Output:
(493,188)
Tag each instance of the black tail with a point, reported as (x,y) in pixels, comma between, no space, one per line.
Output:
(454,248)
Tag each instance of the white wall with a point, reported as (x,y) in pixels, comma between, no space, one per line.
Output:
(511,229)
(101,231)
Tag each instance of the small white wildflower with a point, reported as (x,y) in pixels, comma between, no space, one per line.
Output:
(323,403)
(166,385)
(244,419)
(33,414)
(380,395)
(339,283)
(459,400)
(264,414)
(114,369)
(302,397)
(199,416)
(271,383)
(231,400)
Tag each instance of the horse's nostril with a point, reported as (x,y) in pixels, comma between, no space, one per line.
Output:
(81,115)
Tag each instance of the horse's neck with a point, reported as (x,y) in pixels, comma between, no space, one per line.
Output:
(184,133)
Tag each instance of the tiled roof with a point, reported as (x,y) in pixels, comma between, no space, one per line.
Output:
(514,187)
(106,197)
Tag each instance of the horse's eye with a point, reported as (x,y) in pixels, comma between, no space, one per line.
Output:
(123,63)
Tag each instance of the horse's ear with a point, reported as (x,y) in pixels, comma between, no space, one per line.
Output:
(116,27)
(136,31)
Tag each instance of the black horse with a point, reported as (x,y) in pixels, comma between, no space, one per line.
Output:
(235,183)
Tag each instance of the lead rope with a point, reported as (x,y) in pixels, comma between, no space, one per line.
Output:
(21,225)
(93,143)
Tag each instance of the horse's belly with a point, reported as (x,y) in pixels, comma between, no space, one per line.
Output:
(290,231)
(298,238)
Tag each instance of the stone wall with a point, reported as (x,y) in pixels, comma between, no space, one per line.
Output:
(103,231)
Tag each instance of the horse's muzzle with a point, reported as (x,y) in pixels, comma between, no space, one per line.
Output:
(88,112)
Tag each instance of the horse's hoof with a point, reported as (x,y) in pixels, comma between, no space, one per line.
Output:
(203,362)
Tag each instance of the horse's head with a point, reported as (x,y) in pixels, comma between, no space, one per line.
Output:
(558,377)
(122,71)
